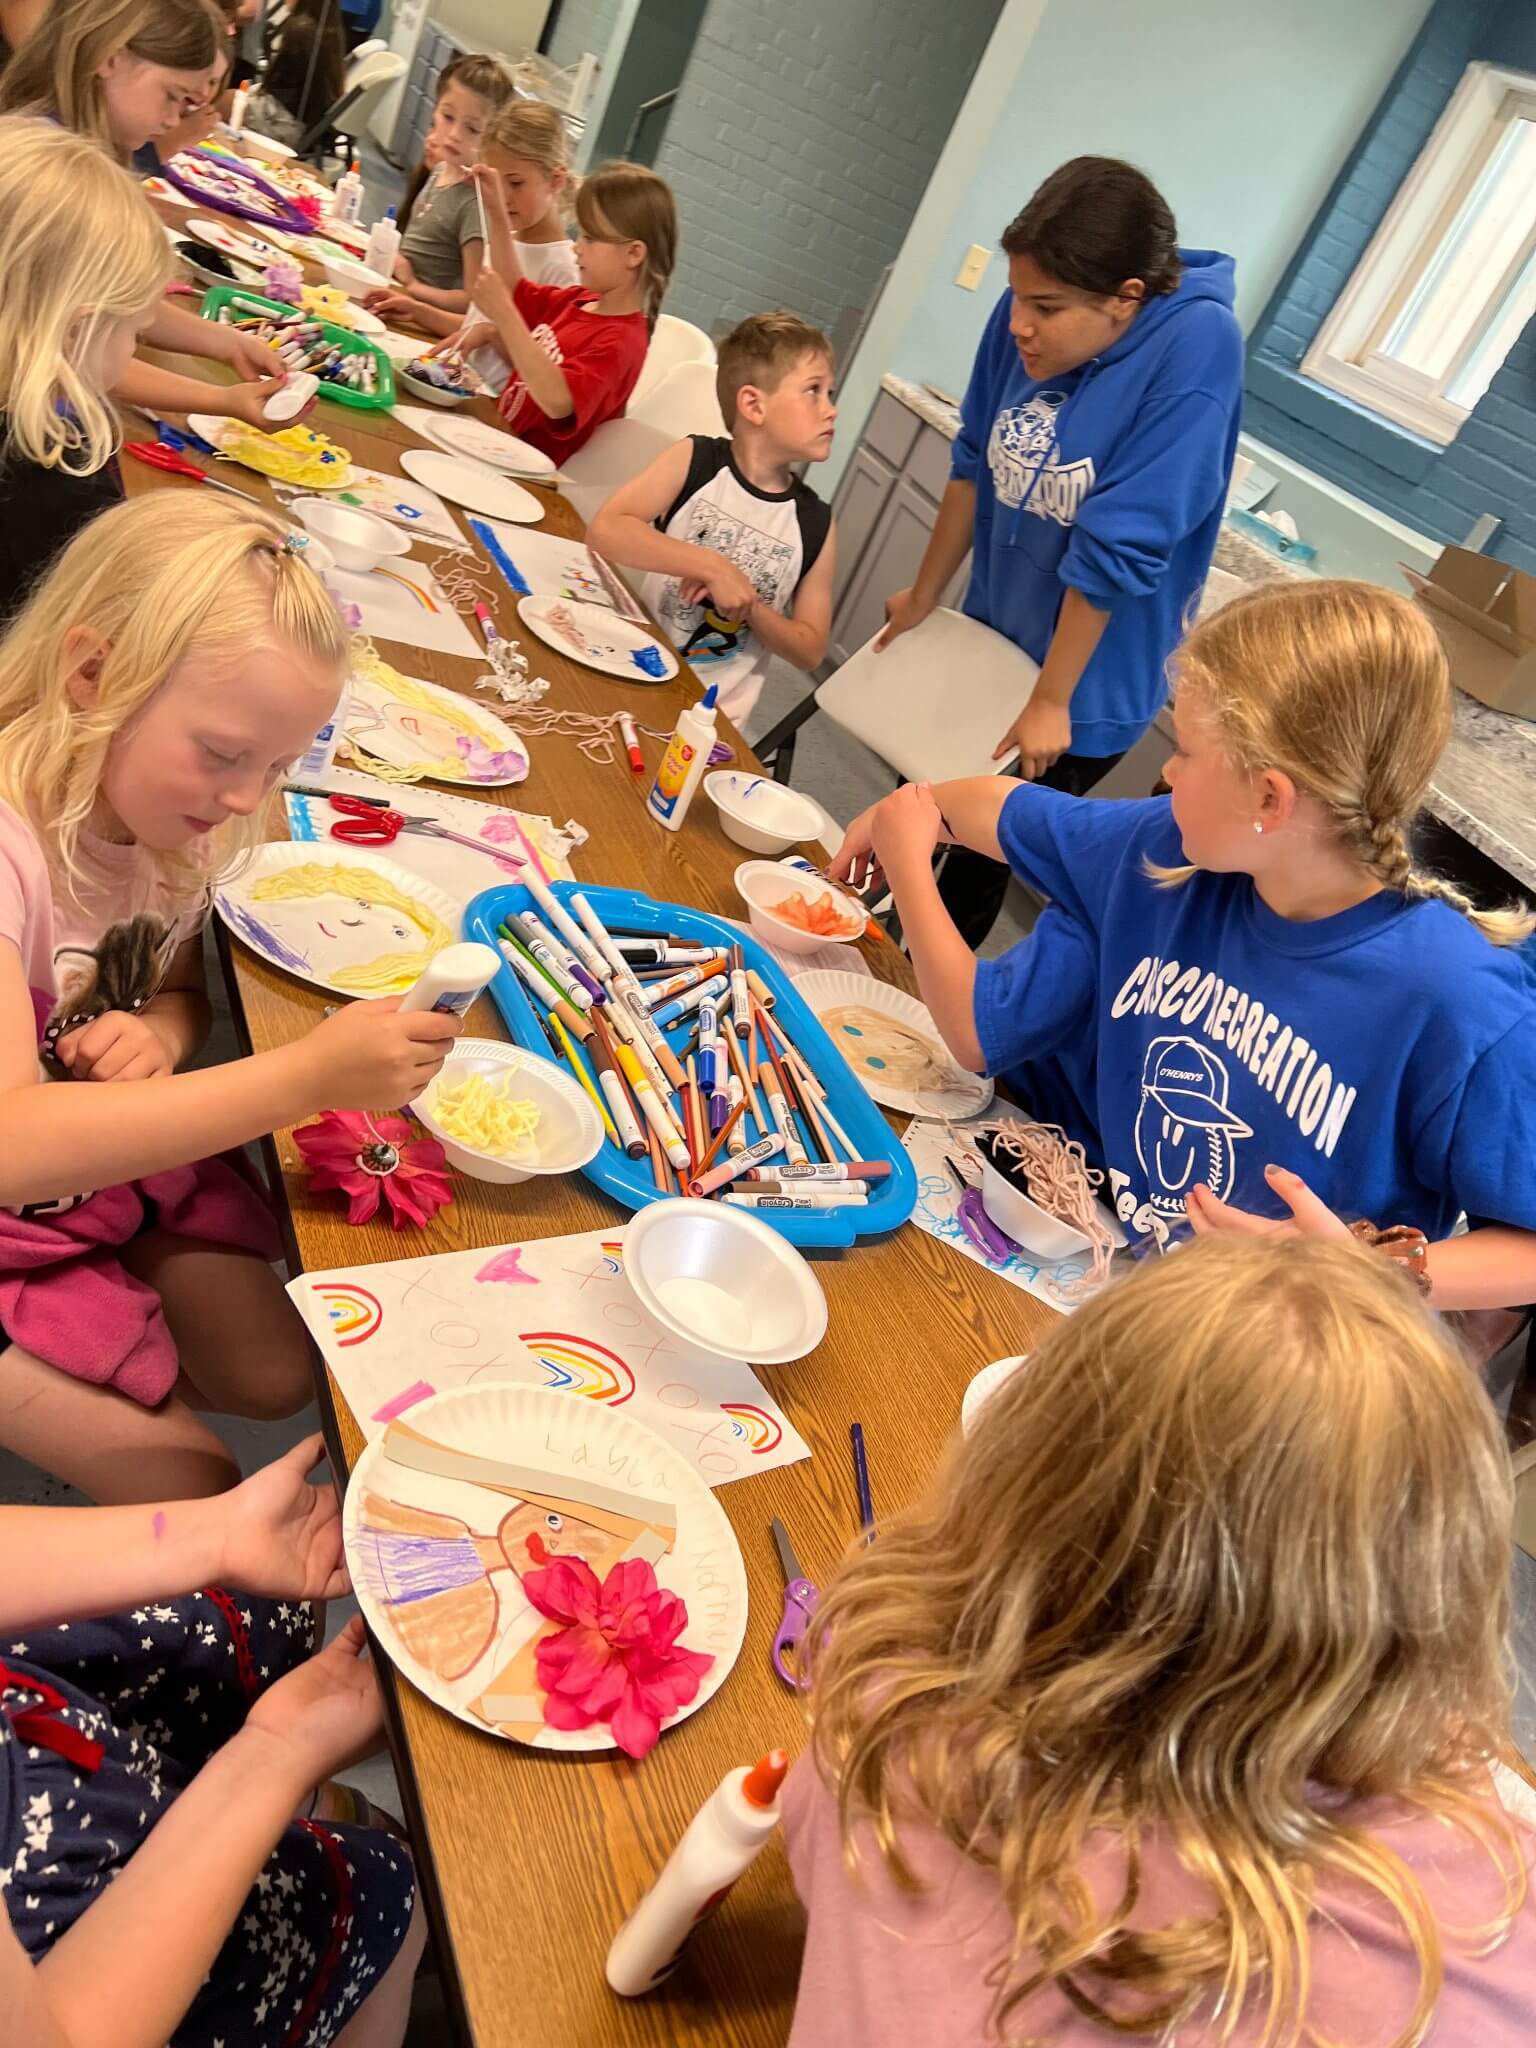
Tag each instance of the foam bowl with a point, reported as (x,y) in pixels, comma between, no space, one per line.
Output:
(760,882)
(1036,1229)
(357,539)
(570,1130)
(724,1282)
(761,814)
(355,279)
(984,1384)
(428,392)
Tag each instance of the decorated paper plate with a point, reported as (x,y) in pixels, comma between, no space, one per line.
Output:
(211,178)
(892,1043)
(473,485)
(296,455)
(451,1507)
(600,638)
(481,443)
(161,188)
(409,723)
(253,249)
(345,919)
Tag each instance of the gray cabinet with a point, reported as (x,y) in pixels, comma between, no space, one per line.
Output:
(885,508)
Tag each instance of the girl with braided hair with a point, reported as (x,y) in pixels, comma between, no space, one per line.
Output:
(1251,979)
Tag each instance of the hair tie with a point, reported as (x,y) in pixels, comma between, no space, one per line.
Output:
(294,544)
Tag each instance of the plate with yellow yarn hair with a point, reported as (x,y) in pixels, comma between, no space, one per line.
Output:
(348,921)
(404,728)
(892,1043)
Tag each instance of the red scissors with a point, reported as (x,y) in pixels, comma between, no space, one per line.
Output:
(160,457)
(366,822)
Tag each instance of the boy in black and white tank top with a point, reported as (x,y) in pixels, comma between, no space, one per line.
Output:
(739,552)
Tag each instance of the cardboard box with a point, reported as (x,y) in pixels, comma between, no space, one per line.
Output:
(1485,613)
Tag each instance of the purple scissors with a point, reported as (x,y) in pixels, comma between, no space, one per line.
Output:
(800,1598)
(977,1225)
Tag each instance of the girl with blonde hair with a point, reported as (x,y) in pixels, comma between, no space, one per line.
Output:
(575,352)
(122,74)
(167,670)
(1168,1711)
(84,265)
(1252,976)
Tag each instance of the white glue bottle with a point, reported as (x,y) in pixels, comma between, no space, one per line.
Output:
(719,1844)
(347,199)
(238,101)
(383,246)
(452,979)
(683,763)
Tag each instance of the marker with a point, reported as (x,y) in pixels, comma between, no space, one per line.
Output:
(630,1134)
(533,979)
(814,1198)
(651,1108)
(487,627)
(637,952)
(613,960)
(861,1475)
(632,743)
(672,1013)
(564,924)
(686,978)
(732,1169)
(578,1068)
(741,1001)
(852,1169)
(830,1194)
(536,940)
(565,961)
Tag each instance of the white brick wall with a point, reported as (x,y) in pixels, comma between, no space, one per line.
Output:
(583,25)
(800,144)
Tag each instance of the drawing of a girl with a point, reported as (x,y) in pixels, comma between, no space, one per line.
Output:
(442,739)
(370,938)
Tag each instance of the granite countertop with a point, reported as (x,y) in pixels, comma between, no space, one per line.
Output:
(1485,784)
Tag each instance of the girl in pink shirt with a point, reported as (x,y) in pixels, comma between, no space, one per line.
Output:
(1168,1713)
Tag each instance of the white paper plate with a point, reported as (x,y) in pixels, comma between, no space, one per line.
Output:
(403,348)
(318,937)
(472,484)
(592,634)
(364,322)
(965,1096)
(162,188)
(379,724)
(264,147)
(984,1385)
(252,249)
(215,427)
(481,443)
(462,1644)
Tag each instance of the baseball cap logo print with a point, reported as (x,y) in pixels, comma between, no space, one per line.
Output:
(1184,1129)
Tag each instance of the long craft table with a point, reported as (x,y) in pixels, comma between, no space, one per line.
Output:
(531,1860)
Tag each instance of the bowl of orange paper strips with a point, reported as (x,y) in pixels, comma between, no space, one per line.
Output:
(796,912)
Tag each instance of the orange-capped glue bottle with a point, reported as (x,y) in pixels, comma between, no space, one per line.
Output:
(718,1844)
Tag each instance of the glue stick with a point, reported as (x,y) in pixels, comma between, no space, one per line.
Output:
(718,1845)
(452,979)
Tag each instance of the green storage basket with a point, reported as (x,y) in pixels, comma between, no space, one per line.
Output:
(237,297)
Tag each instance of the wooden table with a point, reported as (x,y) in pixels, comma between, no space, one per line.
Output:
(531,1860)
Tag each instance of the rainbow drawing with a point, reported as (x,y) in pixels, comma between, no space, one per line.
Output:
(612,1249)
(423,597)
(576,1365)
(756,1428)
(353,1312)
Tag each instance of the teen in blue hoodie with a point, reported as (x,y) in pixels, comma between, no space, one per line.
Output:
(1089,475)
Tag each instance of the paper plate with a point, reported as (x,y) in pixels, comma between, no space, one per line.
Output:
(472,484)
(162,188)
(481,443)
(601,638)
(364,322)
(360,925)
(382,725)
(215,428)
(961,1095)
(252,249)
(403,348)
(434,1502)
(984,1385)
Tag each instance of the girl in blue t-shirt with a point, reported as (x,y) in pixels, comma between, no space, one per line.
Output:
(1251,974)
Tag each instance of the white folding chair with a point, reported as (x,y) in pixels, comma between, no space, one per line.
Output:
(684,402)
(933,705)
(673,341)
(366,82)
(369,49)
(616,452)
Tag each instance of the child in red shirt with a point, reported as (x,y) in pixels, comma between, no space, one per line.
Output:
(576,350)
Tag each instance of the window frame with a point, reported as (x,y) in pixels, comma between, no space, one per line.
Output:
(1343,356)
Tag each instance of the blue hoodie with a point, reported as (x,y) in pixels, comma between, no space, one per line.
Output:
(1111,479)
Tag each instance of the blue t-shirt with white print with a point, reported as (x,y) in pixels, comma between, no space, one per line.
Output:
(1186,1034)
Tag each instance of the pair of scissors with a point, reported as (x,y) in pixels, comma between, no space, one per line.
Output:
(800,1600)
(367,822)
(160,457)
(976,1224)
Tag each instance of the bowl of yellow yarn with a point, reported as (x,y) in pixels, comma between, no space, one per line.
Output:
(503,1113)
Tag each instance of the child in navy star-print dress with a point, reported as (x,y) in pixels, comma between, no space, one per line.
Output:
(163,1843)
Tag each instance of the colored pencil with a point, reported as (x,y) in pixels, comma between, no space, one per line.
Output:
(579,1068)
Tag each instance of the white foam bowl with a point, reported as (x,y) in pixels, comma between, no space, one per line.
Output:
(428,392)
(724,1282)
(357,539)
(355,279)
(984,1385)
(570,1130)
(1025,1221)
(761,814)
(759,882)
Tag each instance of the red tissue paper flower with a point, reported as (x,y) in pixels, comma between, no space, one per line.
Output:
(615,1658)
(372,1157)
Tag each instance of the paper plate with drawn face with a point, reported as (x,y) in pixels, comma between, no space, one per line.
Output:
(342,918)
(892,1044)
(433,732)
(592,634)
(461,1496)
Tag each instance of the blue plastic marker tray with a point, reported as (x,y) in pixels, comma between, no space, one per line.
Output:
(629,1181)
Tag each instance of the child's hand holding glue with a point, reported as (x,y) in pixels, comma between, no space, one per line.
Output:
(367,1056)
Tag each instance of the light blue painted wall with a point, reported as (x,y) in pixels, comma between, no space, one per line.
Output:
(1242,111)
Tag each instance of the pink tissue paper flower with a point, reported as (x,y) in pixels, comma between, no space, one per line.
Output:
(616,1657)
(372,1158)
